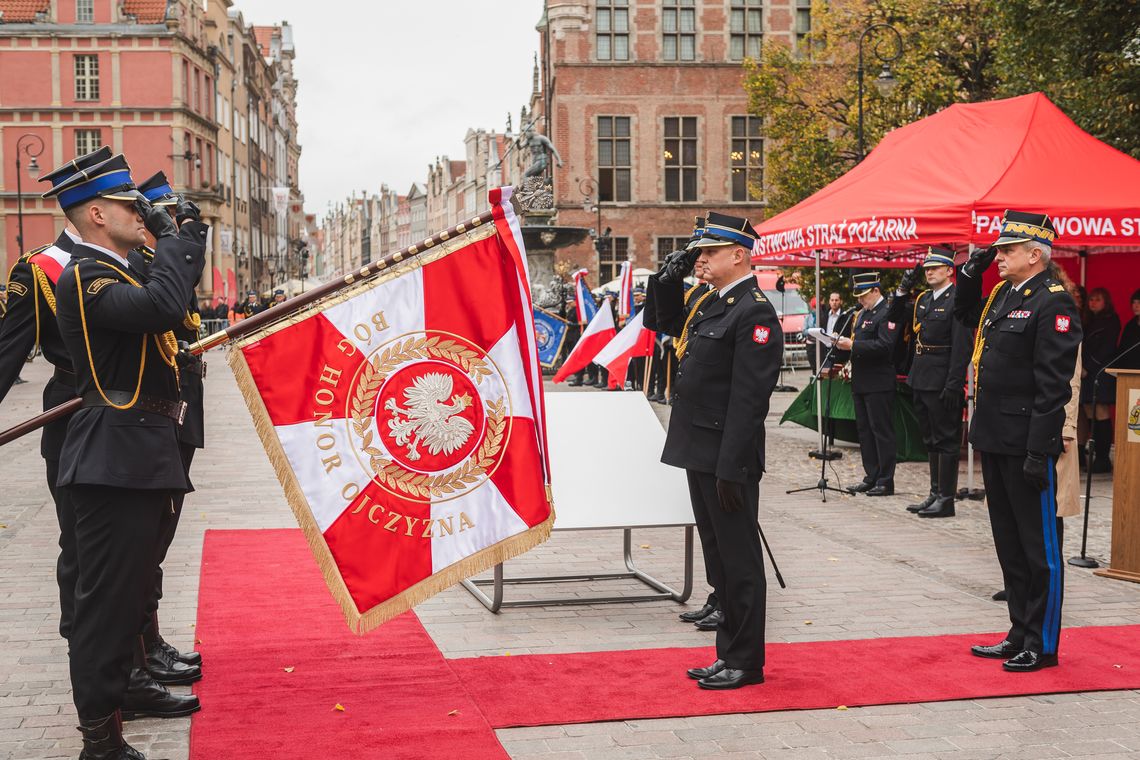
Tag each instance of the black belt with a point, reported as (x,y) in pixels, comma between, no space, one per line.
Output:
(65,376)
(922,348)
(175,410)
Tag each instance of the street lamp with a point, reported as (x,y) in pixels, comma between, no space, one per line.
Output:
(886,81)
(588,186)
(33,172)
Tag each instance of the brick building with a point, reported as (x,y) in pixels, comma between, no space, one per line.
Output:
(181,86)
(644,101)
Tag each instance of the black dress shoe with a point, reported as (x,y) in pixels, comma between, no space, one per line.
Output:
(1002,651)
(573,383)
(861,488)
(731,678)
(165,669)
(145,698)
(699,673)
(189,658)
(710,621)
(933,497)
(1000,596)
(1027,662)
(693,616)
(103,740)
(886,489)
(942,508)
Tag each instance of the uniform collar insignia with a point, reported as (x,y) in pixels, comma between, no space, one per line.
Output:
(731,299)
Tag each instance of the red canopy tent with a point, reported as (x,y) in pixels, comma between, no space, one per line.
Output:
(948,178)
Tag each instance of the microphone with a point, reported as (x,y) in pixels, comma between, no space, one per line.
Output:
(1115,359)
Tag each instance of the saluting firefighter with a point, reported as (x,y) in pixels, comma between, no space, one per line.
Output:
(1024,356)
(731,362)
(709,615)
(942,348)
(252,305)
(30,322)
(120,460)
(162,660)
(871,343)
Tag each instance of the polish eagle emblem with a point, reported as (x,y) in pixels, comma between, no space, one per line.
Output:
(431,418)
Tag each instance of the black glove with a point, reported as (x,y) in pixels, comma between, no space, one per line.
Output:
(910,279)
(187,210)
(731,495)
(951,399)
(979,261)
(679,265)
(157,221)
(1036,471)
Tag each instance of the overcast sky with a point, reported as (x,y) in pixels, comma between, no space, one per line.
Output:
(386,86)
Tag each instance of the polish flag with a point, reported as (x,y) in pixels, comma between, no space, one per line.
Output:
(594,338)
(405,420)
(633,340)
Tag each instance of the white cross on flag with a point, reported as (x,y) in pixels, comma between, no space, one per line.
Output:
(404,418)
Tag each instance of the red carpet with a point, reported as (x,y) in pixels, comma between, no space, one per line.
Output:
(264,607)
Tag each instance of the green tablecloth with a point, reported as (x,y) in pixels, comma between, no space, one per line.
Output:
(908,439)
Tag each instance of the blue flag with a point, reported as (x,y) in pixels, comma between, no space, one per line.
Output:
(549,333)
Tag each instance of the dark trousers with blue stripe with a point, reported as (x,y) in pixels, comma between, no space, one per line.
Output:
(1027,536)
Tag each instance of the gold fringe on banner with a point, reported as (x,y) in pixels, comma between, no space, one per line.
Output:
(362,622)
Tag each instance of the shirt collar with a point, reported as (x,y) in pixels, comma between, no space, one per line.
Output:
(74,238)
(109,252)
(938,293)
(733,284)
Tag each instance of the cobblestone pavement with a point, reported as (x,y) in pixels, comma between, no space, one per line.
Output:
(857,567)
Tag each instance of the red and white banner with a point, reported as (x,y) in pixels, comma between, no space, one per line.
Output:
(404,417)
(633,340)
(597,334)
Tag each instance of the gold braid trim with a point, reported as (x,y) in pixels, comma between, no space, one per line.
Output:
(45,286)
(681,343)
(192,321)
(91,358)
(980,338)
(914,319)
(167,342)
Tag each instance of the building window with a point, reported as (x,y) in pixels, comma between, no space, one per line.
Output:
(679,27)
(681,158)
(613,158)
(612,28)
(747,159)
(667,245)
(803,26)
(84,11)
(610,258)
(87,141)
(86,77)
(746,25)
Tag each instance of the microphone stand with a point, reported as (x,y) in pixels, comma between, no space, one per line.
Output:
(823,454)
(781,387)
(1084,560)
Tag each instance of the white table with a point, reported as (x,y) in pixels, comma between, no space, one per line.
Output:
(605,451)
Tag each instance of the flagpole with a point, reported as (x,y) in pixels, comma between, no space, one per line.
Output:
(269,316)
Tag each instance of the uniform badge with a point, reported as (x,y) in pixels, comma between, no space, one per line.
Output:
(761,334)
(1062,324)
(731,299)
(97,285)
(1027,291)
(1020,314)
(758,297)
(891,325)
(17,288)
(1056,288)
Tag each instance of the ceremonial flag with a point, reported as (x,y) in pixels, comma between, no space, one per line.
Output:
(633,340)
(594,338)
(625,297)
(584,306)
(405,420)
(550,334)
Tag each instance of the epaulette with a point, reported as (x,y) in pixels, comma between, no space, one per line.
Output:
(758,296)
(1054,286)
(146,251)
(24,258)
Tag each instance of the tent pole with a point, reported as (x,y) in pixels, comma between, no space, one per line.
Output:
(970,492)
(818,359)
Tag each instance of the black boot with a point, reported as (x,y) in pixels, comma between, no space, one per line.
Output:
(943,506)
(1102,445)
(162,667)
(145,697)
(933,460)
(152,636)
(103,740)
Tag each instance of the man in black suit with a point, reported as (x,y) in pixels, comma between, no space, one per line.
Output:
(942,348)
(871,344)
(120,460)
(724,383)
(31,318)
(1029,331)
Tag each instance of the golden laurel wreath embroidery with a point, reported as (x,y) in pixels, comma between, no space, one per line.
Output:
(389,473)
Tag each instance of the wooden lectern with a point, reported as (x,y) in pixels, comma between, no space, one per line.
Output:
(1126,480)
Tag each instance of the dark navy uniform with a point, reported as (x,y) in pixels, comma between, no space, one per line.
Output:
(120,460)
(1025,357)
(942,348)
(874,336)
(733,348)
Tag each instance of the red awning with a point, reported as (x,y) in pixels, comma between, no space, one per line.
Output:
(947,179)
